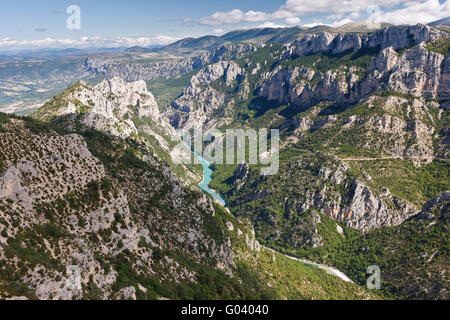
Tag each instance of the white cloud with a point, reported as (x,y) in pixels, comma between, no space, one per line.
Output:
(341,22)
(293,20)
(303,7)
(84,42)
(419,12)
(411,12)
(219,31)
(270,24)
(312,25)
(354,15)
(235,16)
(335,16)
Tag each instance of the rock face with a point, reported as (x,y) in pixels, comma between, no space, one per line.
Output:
(366,212)
(359,208)
(289,203)
(241,171)
(393,89)
(416,71)
(107,107)
(441,203)
(241,174)
(395,37)
(200,99)
(287,85)
(166,69)
(62,210)
(87,216)
(397,60)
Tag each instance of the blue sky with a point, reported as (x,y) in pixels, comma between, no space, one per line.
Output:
(19,19)
(42,23)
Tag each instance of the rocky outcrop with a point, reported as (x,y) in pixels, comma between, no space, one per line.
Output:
(443,91)
(416,72)
(107,107)
(287,85)
(386,135)
(397,37)
(401,64)
(316,182)
(139,71)
(439,204)
(241,171)
(85,227)
(166,69)
(241,174)
(365,212)
(200,99)
(128,293)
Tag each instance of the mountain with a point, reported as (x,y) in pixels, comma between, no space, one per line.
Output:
(363,26)
(412,255)
(274,35)
(104,106)
(364,124)
(441,23)
(317,68)
(88,180)
(138,49)
(30,78)
(169,68)
(82,188)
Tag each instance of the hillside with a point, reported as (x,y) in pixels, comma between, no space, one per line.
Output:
(363,117)
(270,35)
(364,124)
(441,23)
(80,190)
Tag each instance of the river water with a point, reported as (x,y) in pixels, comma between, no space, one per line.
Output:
(204,185)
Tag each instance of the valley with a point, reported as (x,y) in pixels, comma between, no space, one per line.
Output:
(88,177)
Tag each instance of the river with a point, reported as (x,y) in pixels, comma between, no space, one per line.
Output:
(204,185)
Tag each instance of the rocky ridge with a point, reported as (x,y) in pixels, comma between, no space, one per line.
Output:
(104,107)
(104,208)
(166,69)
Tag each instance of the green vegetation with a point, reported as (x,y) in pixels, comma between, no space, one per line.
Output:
(401,252)
(323,62)
(29,247)
(440,45)
(51,108)
(167,90)
(211,283)
(415,184)
(273,205)
(405,256)
(287,278)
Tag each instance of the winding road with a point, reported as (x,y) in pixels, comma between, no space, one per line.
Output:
(204,185)
(329,270)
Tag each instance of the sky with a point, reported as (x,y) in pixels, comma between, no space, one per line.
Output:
(34,24)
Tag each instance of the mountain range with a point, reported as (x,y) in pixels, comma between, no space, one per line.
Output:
(88,181)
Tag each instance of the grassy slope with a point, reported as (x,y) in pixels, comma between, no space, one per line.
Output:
(167,90)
